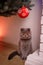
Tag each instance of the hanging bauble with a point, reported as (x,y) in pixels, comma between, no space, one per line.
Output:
(23,12)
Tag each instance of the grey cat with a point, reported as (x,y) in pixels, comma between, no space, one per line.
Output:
(25,44)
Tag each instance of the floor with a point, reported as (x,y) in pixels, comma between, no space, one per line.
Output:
(4,53)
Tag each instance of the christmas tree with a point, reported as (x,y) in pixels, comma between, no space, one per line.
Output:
(10,7)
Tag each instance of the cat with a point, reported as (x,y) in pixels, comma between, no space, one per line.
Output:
(25,45)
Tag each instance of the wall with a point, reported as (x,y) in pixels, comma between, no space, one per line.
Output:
(10,27)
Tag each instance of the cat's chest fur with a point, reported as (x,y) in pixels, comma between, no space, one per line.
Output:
(25,45)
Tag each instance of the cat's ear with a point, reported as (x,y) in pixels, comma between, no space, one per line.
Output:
(25,29)
(28,29)
(22,29)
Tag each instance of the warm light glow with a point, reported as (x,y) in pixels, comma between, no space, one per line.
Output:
(4,24)
(1,31)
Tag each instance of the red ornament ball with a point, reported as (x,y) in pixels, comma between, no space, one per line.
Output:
(23,12)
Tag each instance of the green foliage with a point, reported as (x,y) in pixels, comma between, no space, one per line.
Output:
(10,7)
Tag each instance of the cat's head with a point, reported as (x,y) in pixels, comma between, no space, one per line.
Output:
(25,33)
